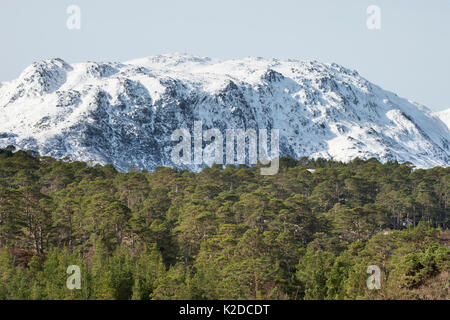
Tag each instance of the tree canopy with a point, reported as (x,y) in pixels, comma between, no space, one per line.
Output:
(223,233)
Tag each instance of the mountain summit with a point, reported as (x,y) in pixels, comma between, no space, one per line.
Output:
(125,113)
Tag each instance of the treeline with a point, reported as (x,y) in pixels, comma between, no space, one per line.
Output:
(223,233)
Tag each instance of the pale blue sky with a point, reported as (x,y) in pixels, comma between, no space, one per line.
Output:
(410,55)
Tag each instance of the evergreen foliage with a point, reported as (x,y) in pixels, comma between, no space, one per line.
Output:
(223,233)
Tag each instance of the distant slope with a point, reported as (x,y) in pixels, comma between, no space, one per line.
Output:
(444,116)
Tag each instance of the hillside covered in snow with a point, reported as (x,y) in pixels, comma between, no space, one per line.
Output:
(125,113)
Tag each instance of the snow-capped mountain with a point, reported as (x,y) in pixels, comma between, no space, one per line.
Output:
(125,113)
(444,116)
